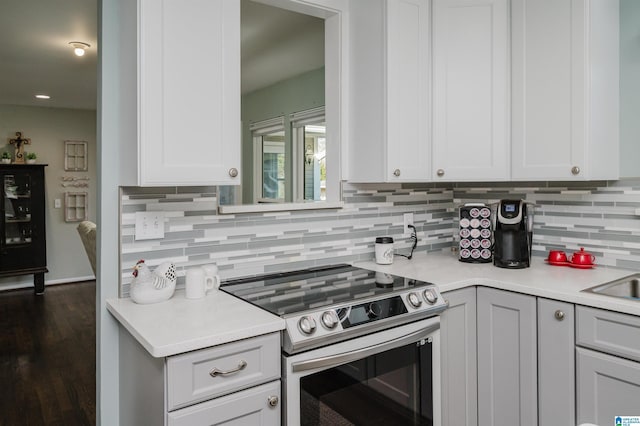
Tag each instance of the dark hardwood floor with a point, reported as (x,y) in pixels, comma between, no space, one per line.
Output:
(48,356)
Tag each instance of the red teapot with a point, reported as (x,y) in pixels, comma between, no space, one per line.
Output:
(582,258)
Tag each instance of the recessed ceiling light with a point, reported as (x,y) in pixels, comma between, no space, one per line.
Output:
(79,47)
(43,96)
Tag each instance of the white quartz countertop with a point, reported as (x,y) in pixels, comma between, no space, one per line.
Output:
(181,325)
(543,280)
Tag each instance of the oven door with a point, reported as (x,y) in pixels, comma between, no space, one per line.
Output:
(390,377)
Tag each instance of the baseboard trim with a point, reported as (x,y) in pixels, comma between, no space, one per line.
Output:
(29,284)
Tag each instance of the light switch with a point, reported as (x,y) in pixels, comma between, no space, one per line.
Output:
(149,225)
(57,203)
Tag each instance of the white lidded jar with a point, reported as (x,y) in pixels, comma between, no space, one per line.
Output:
(384,250)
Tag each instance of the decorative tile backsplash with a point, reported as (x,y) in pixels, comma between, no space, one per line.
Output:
(246,244)
(599,216)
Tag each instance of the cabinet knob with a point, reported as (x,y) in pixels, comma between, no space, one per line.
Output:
(575,170)
(559,315)
(273,400)
(233,172)
(396,172)
(440,172)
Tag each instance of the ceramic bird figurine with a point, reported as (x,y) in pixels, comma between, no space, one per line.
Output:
(152,287)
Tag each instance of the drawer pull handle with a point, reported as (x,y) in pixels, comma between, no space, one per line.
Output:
(216,372)
(559,315)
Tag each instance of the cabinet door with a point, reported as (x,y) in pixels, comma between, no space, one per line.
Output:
(458,338)
(507,376)
(471,89)
(189,92)
(389,92)
(257,406)
(548,46)
(608,386)
(565,83)
(556,363)
(407,95)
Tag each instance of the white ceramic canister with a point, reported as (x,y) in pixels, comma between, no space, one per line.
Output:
(384,250)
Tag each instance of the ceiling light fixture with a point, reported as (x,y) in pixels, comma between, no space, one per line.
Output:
(79,47)
(43,96)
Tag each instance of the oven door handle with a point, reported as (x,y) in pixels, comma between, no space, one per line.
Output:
(346,357)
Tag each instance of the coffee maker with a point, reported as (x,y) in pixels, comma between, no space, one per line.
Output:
(513,234)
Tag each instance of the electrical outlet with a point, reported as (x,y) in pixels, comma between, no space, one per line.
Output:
(149,225)
(57,203)
(408,220)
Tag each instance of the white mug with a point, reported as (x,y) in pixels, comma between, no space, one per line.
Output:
(197,283)
(211,271)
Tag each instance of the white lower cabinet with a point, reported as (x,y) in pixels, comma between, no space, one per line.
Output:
(526,363)
(556,363)
(458,340)
(237,384)
(255,406)
(539,361)
(608,374)
(507,361)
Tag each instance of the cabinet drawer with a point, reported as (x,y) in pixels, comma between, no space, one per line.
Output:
(189,378)
(611,332)
(248,407)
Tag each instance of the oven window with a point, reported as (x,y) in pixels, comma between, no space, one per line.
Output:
(390,388)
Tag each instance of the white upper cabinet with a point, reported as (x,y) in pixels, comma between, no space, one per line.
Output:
(471,90)
(565,59)
(188,92)
(389,139)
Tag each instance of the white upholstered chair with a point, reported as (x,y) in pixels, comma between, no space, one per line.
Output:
(87,231)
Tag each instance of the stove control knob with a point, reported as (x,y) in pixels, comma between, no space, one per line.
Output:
(374,310)
(329,320)
(431,296)
(414,300)
(307,325)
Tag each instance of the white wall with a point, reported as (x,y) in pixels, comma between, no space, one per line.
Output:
(117,133)
(48,128)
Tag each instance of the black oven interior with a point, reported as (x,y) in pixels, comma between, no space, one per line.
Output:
(389,388)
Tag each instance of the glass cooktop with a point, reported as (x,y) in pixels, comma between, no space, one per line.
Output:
(299,291)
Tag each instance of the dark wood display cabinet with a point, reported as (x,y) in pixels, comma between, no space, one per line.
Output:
(23,249)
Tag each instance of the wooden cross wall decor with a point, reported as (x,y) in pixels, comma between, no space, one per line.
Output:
(19,142)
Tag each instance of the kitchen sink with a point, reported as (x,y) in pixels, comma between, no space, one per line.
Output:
(626,287)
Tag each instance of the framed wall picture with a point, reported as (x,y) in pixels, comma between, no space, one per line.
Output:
(75,206)
(75,156)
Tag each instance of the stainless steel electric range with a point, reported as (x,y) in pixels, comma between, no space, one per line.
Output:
(357,344)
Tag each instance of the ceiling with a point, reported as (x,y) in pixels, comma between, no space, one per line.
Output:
(278,44)
(36,57)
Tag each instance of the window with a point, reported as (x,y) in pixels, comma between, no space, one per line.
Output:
(269,158)
(310,153)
